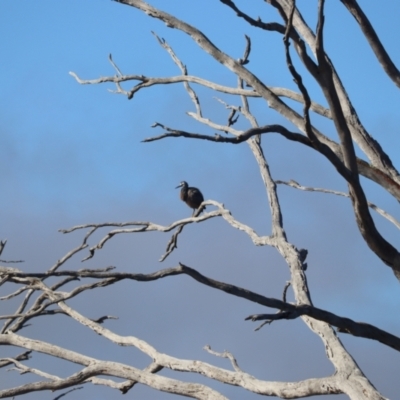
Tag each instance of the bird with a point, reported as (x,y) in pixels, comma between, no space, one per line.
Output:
(191,196)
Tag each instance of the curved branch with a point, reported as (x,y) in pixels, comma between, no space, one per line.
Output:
(193,390)
(238,378)
(285,390)
(268,26)
(151,227)
(240,138)
(21,357)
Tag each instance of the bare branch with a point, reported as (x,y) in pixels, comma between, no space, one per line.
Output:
(172,244)
(379,210)
(271,26)
(239,138)
(327,385)
(378,158)
(40,299)
(178,62)
(364,168)
(104,318)
(380,246)
(285,289)
(95,367)
(68,391)
(225,354)
(373,40)
(2,245)
(71,253)
(39,313)
(23,369)
(21,357)
(245,59)
(114,65)
(344,324)
(150,226)
(20,309)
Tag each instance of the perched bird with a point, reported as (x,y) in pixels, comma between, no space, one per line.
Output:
(191,196)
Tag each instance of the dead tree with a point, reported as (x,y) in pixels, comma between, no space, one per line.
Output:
(45,294)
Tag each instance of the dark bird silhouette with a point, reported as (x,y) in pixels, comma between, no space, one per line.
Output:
(191,196)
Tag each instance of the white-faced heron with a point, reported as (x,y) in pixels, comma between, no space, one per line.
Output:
(191,196)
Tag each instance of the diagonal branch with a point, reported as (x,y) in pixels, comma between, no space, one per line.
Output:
(178,62)
(373,40)
(21,357)
(325,77)
(378,158)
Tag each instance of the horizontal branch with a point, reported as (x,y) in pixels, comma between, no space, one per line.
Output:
(140,226)
(365,169)
(242,137)
(146,82)
(345,325)
(286,390)
(192,390)
(39,313)
(96,367)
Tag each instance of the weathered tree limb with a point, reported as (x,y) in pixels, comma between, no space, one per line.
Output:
(325,77)
(373,40)
(344,324)
(95,367)
(372,149)
(379,159)
(348,378)
(148,82)
(285,390)
(140,226)
(21,357)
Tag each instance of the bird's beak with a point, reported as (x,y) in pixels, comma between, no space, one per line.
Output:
(178,186)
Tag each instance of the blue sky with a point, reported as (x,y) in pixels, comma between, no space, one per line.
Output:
(71,154)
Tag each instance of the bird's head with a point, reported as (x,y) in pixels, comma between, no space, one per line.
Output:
(182,184)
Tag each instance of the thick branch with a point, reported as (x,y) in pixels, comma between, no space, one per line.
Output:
(373,40)
(192,390)
(344,324)
(378,158)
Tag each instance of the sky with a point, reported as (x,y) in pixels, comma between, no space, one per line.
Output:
(72,154)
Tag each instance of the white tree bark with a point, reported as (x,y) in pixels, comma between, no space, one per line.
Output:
(45,300)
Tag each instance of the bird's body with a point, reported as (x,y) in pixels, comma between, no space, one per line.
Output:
(191,196)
